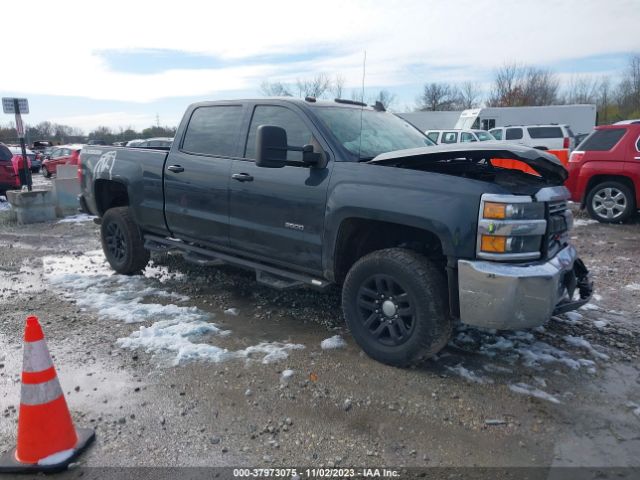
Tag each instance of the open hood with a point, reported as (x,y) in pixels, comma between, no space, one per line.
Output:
(546,164)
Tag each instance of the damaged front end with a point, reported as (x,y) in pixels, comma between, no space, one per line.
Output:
(525,270)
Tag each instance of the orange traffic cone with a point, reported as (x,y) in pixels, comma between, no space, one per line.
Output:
(47,439)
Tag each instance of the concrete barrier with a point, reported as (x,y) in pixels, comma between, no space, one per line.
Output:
(65,194)
(67,171)
(32,207)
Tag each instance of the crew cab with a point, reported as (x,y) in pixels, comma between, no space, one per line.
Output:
(604,172)
(337,193)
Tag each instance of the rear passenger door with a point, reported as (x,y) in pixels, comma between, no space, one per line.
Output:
(196,174)
(278,213)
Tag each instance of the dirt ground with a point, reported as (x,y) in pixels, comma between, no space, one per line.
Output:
(216,370)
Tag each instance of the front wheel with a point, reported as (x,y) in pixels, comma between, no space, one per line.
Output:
(395,304)
(611,202)
(45,172)
(122,242)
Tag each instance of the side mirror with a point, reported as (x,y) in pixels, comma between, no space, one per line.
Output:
(271,146)
(314,159)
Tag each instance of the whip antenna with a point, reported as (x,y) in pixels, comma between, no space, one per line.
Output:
(364,65)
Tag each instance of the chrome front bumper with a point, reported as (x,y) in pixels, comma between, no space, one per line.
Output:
(510,296)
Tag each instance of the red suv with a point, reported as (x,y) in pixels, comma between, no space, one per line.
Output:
(9,179)
(604,172)
(64,155)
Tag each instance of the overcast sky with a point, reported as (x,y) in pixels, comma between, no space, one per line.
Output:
(128,61)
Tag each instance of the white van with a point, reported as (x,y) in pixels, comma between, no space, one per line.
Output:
(542,137)
(459,136)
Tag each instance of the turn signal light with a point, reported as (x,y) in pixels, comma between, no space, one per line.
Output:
(495,210)
(493,244)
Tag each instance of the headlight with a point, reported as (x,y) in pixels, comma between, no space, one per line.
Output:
(510,227)
(513,211)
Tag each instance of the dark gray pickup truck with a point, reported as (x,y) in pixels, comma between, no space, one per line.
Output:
(320,193)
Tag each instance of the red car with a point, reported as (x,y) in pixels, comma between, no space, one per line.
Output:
(604,172)
(9,179)
(62,155)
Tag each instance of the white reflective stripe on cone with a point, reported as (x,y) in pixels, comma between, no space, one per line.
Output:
(40,393)
(36,357)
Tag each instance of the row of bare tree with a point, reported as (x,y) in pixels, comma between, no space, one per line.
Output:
(513,85)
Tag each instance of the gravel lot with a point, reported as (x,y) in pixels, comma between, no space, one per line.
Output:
(214,369)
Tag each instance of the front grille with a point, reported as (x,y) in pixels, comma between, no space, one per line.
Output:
(557,229)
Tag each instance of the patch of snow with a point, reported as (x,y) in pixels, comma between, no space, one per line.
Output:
(490,367)
(56,458)
(232,311)
(333,342)
(89,282)
(79,218)
(591,306)
(581,222)
(574,316)
(526,389)
(600,324)
(287,374)
(468,374)
(161,273)
(634,287)
(582,343)
(597,298)
(4,204)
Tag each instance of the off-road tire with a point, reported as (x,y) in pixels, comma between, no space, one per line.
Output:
(426,296)
(615,188)
(122,242)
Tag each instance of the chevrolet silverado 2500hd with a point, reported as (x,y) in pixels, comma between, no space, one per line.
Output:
(319,193)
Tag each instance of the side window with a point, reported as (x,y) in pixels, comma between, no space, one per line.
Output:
(214,130)
(466,137)
(497,133)
(488,123)
(513,134)
(297,132)
(56,153)
(449,137)
(433,136)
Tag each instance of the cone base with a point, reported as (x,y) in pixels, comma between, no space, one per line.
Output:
(9,464)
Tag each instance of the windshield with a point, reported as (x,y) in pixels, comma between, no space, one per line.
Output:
(484,136)
(381,132)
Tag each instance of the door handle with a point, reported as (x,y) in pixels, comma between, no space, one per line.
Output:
(242,177)
(175,168)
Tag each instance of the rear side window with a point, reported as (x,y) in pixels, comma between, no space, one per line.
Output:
(297,132)
(602,140)
(449,137)
(214,130)
(5,154)
(433,136)
(497,134)
(513,134)
(545,132)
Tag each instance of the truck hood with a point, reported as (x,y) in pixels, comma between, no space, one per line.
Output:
(546,164)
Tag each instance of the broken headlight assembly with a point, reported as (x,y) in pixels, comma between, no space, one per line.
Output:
(510,227)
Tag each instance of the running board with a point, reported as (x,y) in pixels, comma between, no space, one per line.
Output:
(266,274)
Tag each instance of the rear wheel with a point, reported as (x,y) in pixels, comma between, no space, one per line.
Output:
(122,242)
(395,304)
(611,202)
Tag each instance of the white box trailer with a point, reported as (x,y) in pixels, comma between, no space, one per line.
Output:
(581,118)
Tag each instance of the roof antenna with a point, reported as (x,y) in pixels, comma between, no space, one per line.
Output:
(364,65)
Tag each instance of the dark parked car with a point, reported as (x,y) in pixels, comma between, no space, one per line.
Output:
(34,162)
(320,193)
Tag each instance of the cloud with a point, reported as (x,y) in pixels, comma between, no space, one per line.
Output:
(407,42)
